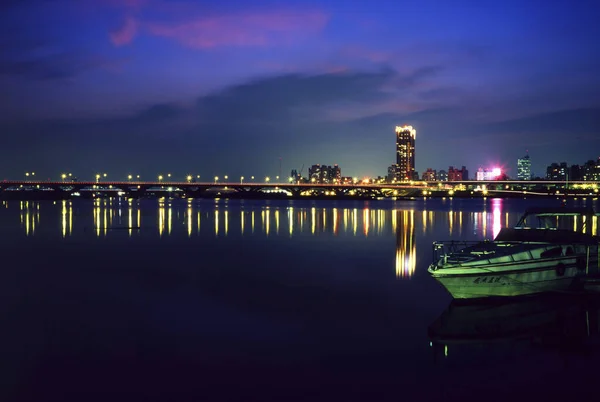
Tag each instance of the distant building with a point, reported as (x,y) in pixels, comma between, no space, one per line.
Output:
(489,174)
(347,180)
(455,174)
(591,170)
(325,174)
(524,168)
(442,175)
(557,172)
(392,173)
(405,153)
(429,175)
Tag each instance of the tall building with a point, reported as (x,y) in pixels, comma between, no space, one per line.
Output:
(557,172)
(524,168)
(325,174)
(405,153)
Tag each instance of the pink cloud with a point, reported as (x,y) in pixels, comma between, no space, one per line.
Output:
(125,34)
(251,29)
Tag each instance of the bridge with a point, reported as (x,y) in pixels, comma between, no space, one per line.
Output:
(466,188)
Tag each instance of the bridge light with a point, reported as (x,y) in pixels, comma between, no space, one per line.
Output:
(129,177)
(160,178)
(267,179)
(189,178)
(216,179)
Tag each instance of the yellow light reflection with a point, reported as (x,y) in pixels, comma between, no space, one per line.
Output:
(346,212)
(335,221)
(252,222)
(406,249)
(105,221)
(70,218)
(139,218)
(313,220)
(242,221)
(97,218)
(277,221)
(216,222)
(198,228)
(26,218)
(64,218)
(161,218)
(355,221)
(267,221)
(189,221)
(226,222)
(170,219)
(291,220)
(451,221)
(595,225)
(424,219)
(366,222)
(130,218)
(324,220)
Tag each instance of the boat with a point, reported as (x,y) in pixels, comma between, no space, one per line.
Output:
(549,250)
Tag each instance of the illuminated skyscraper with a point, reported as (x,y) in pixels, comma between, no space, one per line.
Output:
(405,153)
(524,168)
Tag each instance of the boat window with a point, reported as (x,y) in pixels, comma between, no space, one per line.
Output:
(553,252)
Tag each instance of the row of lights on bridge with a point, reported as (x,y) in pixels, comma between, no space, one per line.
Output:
(189,178)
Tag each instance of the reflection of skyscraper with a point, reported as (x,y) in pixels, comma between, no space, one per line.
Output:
(405,153)
(406,250)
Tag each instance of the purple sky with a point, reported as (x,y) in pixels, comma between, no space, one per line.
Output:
(215,88)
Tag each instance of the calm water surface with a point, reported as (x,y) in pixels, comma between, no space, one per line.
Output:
(263,300)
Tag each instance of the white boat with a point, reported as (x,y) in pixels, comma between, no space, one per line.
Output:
(548,250)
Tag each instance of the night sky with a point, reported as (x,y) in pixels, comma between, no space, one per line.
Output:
(230,87)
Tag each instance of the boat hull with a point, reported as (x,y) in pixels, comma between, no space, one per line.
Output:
(508,284)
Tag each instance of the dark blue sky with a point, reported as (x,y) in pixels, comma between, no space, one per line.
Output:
(215,88)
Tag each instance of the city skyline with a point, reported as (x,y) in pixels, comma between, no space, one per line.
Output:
(149,86)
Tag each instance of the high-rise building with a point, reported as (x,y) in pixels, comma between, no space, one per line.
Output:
(405,153)
(557,172)
(325,174)
(524,168)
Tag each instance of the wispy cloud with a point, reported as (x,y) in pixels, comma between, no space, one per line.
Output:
(244,29)
(126,33)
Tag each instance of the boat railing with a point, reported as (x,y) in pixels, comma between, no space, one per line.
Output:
(464,250)
(446,247)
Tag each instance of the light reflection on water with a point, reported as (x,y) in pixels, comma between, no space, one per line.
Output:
(177,216)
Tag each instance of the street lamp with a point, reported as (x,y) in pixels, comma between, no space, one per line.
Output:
(252,178)
(267,179)
(63,176)
(216,179)
(290,179)
(242,180)
(277,177)
(189,178)
(104,175)
(160,178)
(226,177)
(129,177)
(97,178)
